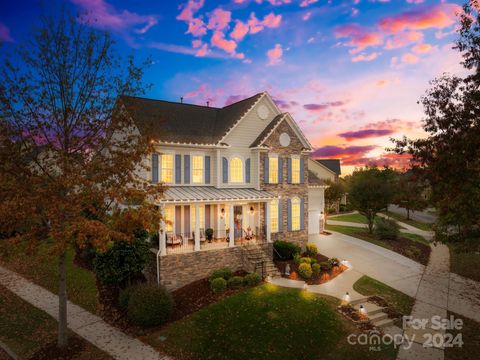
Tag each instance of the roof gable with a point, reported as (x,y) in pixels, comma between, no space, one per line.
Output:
(331,164)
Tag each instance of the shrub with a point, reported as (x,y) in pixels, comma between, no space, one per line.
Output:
(252,279)
(218,285)
(124,297)
(333,262)
(325,265)
(224,273)
(313,260)
(235,282)
(209,233)
(386,229)
(305,260)
(311,250)
(316,269)
(305,270)
(149,305)
(297,258)
(285,249)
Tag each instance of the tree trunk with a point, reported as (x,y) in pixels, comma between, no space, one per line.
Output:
(408,214)
(370,225)
(62,302)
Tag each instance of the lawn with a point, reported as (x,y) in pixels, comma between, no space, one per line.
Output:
(370,287)
(265,322)
(418,224)
(42,269)
(470,337)
(408,245)
(418,238)
(355,218)
(464,263)
(26,329)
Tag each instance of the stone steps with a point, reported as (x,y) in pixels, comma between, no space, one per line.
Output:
(370,308)
(375,313)
(256,254)
(383,323)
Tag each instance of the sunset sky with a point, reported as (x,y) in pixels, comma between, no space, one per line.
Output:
(350,72)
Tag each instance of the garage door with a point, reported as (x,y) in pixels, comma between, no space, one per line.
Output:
(313,222)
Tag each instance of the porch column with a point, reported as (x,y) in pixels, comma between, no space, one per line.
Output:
(162,236)
(197,227)
(267,222)
(231,225)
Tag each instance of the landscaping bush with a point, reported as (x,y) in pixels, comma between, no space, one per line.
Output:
(313,260)
(297,258)
(218,285)
(209,233)
(224,273)
(285,249)
(235,282)
(325,265)
(386,229)
(305,260)
(333,262)
(311,250)
(149,305)
(305,270)
(252,279)
(124,297)
(316,269)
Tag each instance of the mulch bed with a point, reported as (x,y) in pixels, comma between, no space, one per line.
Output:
(350,313)
(76,345)
(411,249)
(321,278)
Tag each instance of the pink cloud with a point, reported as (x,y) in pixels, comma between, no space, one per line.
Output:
(437,16)
(196,27)
(270,20)
(410,58)
(5,33)
(218,40)
(190,9)
(403,39)
(360,38)
(324,106)
(239,31)
(305,3)
(104,16)
(202,48)
(365,133)
(275,55)
(219,19)
(307,16)
(422,48)
(363,57)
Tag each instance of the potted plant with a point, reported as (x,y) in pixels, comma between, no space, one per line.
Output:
(209,234)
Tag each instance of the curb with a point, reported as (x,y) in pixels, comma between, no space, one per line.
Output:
(9,352)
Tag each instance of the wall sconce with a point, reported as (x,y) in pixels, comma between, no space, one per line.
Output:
(252,210)
(222,213)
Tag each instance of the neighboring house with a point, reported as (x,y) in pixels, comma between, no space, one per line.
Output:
(240,170)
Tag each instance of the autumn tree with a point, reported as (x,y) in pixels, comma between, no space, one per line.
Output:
(333,194)
(449,156)
(66,161)
(409,192)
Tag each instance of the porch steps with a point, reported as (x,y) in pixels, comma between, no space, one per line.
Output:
(256,254)
(375,314)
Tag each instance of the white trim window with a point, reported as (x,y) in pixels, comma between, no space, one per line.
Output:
(201,214)
(273,169)
(295,170)
(236,170)
(198,163)
(295,214)
(167,164)
(274,216)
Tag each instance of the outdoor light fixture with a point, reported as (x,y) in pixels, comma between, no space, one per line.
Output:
(268,279)
(305,286)
(252,210)
(346,298)
(363,311)
(222,213)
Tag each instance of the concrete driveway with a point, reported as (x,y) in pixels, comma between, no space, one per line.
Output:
(421,216)
(381,264)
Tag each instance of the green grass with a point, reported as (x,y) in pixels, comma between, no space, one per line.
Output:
(470,337)
(266,322)
(359,233)
(418,238)
(418,224)
(26,329)
(464,263)
(42,269)
(355,218)
(369,287)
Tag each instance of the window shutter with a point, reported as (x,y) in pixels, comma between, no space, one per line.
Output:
(289,170)
(302,214)
(155,168)
(302,172)
(265,204)
(186,221)
(207,169)
(178,169)
(178,219)
(247,170)
(186,175)
(225,170)
(280,170)
(289,214)
(265,169)
(280,215)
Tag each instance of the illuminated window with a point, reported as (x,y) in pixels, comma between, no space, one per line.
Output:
(201,211)
(197,169)
(273,170)
(168,218)
(167,168)
(236,170)
(295,170)
(295,214)
(274,216)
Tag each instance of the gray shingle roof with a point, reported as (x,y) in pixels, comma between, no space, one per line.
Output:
(184,123)
(210,193)
(331,164)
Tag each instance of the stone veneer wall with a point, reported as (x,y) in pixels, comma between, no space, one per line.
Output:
(286,190)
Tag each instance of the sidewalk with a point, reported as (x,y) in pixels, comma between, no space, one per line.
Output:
(90,327)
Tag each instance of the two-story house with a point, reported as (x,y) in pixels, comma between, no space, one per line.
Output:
(235,176)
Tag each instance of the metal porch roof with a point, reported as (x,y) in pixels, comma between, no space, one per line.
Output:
(210,193)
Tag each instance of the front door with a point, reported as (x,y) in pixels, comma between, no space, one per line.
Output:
(238,221)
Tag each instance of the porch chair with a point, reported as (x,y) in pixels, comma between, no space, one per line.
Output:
(173,239)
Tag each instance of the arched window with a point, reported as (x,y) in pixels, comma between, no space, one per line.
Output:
(236,170)
(295,214)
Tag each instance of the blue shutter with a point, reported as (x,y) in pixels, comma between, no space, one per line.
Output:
(186,219)
(265,170)
(280,170)
(155,168)
(265,204)
(186,175)
(302,214)
(289,170)
(302,172)
(178,169)
(280,215)
(225,170)
(247,170)
(207,169)
(289,214)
